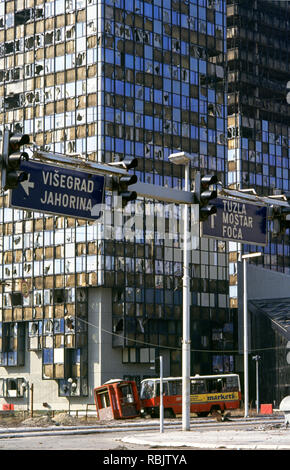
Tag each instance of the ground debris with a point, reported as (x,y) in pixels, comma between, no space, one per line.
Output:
(41,421)
(45,420)
(65,419)
(221,417)
(268,427)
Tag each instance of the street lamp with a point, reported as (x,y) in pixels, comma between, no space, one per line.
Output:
(183,158)
(246,346)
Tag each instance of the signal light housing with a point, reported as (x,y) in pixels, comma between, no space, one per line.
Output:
(11,158)
(280,217)
(204,195)
(121,184)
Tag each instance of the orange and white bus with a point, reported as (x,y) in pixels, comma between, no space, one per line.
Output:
(207,393)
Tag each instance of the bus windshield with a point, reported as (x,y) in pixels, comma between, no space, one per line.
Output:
(147,389)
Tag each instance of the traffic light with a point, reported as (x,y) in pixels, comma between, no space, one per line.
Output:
(11,159)
(280,217)
(121,183)
(204,195)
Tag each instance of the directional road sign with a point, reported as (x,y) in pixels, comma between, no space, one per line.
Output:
(238,221)
(58,190)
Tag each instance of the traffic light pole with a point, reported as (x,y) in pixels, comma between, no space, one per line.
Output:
(186,317)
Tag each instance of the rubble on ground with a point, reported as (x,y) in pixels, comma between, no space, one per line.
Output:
(38,421)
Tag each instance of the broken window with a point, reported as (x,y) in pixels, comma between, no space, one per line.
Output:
(69,324)
(176,45)
(14,387)
(19,45)
(38,297)
(92,27)
(59,296)
(48,38)
(23,16)
(39,13)
(13,101)
(9,47)
(29,43)
(29,71)
(47,327)
(59,35)
(70,32)
(39,69)
(16,299)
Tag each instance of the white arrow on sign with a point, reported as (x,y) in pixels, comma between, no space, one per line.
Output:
(27,184)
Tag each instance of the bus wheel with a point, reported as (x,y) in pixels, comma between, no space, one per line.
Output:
(216,413)
(169,413)
(155,413)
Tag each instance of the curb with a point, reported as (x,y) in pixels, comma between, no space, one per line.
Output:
(202,445)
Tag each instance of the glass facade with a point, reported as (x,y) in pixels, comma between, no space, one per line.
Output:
(104,80)
(258,114)
(259,154)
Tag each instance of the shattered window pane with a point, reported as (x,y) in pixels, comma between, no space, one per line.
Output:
(9,47)
(49,38)
(39,13)
(70,32)
(39,69)
(23,16)
(13,101)
(29,43)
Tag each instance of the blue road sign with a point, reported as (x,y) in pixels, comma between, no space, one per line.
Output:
(57,190)
(238,221)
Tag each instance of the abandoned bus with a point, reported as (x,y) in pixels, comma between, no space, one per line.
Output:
(117,399)
(207,393)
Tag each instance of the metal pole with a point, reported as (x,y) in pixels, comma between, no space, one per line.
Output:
(186,329)
(257,358)
(246,352)
(31,401)
(257,384)
(161,412)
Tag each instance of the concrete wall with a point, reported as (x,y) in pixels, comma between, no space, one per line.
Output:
(261,284)
(105,362)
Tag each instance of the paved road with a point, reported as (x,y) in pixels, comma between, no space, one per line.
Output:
(109,441)
(258,435)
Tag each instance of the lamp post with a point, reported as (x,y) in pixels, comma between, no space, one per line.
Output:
(183,158)
(246,344)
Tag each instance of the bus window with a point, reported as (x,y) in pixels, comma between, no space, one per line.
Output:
(215,385)
(147,390)
(175,387)
(197,386)
(165,389)
(232,384)
(105,400)
(127,393)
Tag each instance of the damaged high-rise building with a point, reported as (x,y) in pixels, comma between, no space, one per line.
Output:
(103,80)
